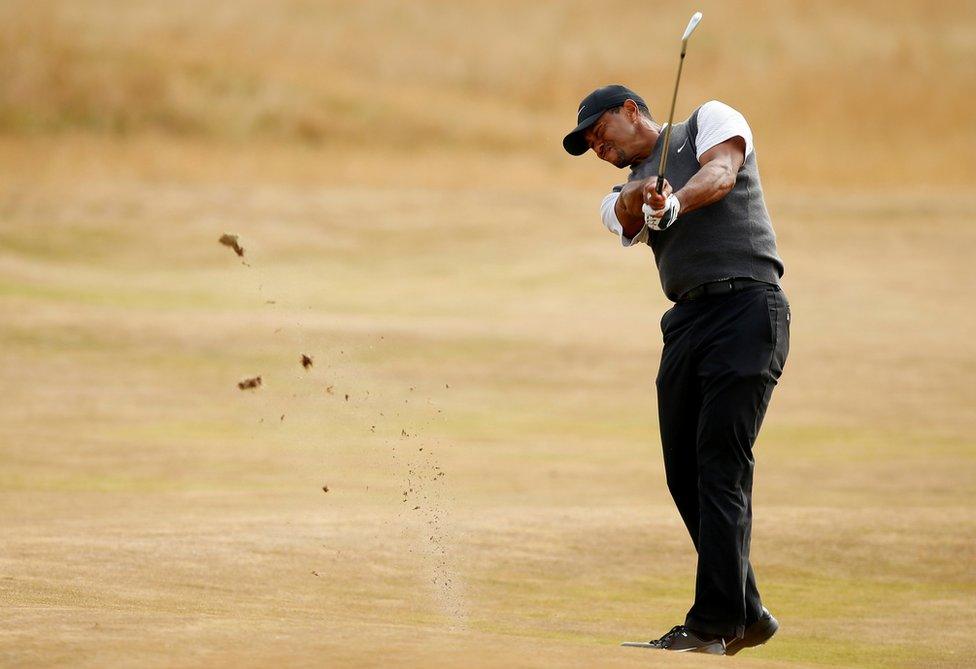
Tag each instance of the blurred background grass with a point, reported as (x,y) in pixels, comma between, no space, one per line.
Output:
(855,94)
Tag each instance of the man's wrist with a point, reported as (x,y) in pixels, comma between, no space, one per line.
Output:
(672,208)
(631,200)
(662,219)
(629,214)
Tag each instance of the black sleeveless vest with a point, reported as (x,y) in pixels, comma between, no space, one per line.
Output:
(732,237)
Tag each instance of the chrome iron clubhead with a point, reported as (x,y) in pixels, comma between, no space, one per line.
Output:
(692,24)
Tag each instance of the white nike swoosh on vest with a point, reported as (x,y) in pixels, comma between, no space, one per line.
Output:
(682,146)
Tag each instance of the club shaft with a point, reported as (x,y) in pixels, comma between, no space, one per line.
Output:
(667,130)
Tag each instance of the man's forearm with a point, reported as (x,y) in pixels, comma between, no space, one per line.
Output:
(628,209)
(710,184)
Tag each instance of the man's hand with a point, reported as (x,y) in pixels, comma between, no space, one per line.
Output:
(650,194)
(633,197)
(663,218)
(659,209)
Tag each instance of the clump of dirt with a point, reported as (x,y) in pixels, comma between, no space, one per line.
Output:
(250,384)
(232,241)
(306,361)
(325,488)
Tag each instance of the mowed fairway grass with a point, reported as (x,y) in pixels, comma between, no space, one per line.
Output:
(481,408)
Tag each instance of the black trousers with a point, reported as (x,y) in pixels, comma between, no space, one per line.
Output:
(722,357)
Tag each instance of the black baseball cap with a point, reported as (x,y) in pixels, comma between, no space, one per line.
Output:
(591,108)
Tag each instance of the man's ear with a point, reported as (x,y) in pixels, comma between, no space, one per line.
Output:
(630,108)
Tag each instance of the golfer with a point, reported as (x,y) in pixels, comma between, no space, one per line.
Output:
(725,339)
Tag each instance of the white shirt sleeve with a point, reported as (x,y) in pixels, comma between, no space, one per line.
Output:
(610,221)
(718,122)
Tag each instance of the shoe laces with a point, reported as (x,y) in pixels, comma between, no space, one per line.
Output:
(669,637)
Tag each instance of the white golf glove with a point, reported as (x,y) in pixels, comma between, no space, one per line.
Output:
(661,219)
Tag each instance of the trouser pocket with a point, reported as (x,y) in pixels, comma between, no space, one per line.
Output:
(778,311)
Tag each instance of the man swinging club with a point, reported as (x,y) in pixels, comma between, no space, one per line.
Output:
(726,338)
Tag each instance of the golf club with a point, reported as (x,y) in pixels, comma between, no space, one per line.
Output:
(692,24)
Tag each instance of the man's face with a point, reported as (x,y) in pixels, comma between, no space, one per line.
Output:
(614,137)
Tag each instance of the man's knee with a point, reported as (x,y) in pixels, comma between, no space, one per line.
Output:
(727,482)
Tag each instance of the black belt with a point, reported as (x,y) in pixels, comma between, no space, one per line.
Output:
(719,288)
